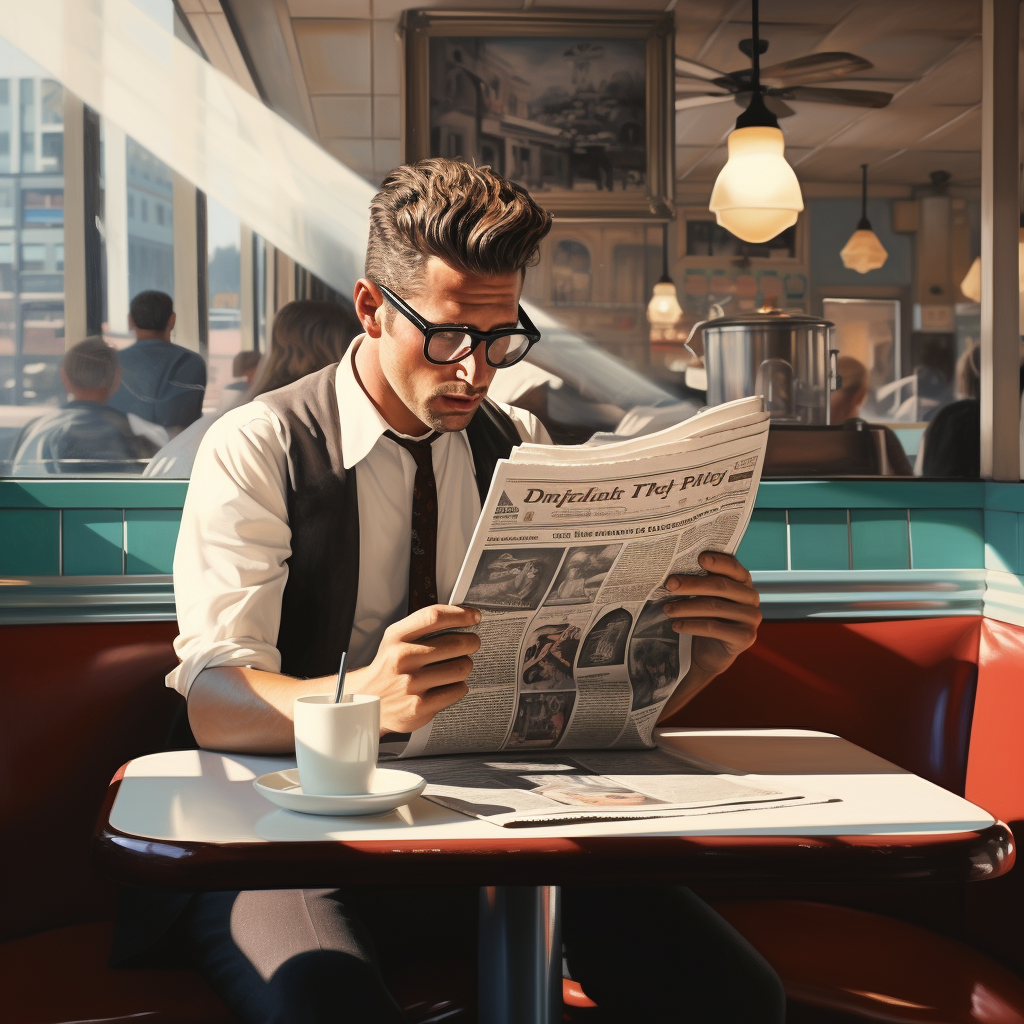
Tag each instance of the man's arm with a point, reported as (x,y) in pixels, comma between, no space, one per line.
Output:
(416,673)
(721,612)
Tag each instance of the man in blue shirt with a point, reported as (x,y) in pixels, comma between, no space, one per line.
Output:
(160,381)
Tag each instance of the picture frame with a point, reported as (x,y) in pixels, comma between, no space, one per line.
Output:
(576,107)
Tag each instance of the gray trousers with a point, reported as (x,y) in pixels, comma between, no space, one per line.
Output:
(650,953)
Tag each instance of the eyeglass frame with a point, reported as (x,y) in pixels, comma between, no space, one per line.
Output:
(476,336)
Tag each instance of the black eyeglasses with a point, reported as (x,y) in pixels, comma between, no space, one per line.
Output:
(451,343)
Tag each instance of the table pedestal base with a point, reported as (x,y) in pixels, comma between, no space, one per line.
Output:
(520,964)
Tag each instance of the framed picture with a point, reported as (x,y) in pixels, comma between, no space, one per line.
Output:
(575,107)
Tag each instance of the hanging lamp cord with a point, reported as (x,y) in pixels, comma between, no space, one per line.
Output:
(865,224)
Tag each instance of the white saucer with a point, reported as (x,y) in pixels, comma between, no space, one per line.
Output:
(389,789)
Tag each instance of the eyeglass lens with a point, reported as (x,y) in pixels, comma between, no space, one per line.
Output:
(454,346)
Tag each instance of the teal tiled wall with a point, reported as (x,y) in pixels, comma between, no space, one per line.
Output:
(29,541)
(93,542)
(150,534)
(765,545)
(879,538)
(107,528)
(819,538)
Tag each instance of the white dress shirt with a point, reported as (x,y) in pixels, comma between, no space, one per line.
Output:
(230,561)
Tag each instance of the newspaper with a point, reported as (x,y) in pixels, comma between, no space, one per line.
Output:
(567,566)
(594,786)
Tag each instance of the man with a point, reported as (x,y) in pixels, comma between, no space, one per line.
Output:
(161,382)
(844,410)
(85,435)
(243,370)
(283,562)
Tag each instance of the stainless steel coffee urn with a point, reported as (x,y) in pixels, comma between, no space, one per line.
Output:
(787,359)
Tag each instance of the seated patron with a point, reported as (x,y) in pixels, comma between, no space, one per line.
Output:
(845,403)
(160,381)
(282,562)
(306,336)
(243,370)
(85,435)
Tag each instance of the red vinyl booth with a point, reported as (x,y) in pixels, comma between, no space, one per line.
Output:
(941,697)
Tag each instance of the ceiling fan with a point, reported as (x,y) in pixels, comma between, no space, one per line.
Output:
(698,85)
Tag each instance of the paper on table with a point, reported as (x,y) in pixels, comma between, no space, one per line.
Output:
(593,786)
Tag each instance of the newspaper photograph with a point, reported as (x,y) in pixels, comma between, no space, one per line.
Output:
(567,566)
(518,792)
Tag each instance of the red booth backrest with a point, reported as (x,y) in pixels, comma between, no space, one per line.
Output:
(902,689)
(77,701)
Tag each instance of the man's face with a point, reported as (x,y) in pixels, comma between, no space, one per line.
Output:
(445,397)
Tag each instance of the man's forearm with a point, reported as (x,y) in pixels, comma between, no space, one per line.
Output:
(689,686)
(246,709)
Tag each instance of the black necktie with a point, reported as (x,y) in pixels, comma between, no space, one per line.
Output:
(423,547)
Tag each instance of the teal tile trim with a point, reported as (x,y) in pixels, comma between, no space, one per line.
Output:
(1006,497)
(844,494)
(950,538)
(879,538)
(29,542)
(92,493)
(1020,545)
(150,536)
(1001,540)
(93,542)
(765,545)
(819,539)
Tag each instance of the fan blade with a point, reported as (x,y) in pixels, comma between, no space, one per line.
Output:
(815,67)
(845,97)
(694,69)
(700,99)
(771,101)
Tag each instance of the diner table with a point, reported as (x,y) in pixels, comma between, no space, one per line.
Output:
(191,820)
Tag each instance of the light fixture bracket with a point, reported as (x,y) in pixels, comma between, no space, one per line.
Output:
(757,115)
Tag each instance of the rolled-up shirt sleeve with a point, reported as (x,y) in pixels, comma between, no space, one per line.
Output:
(230,561)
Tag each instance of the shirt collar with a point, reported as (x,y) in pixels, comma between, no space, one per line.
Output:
(361,424)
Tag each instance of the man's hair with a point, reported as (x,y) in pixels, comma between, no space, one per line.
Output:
(469,217)
(90,365)
(151,310)
(853,372)
(244,362)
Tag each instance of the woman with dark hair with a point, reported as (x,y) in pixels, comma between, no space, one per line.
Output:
(306,337)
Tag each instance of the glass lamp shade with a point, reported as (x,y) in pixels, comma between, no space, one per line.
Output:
(863,252)
(664,310)
(971,284)
(756,195)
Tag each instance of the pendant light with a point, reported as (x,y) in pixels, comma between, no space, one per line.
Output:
(971,284)
(863,252)
(664,311)
(756,196)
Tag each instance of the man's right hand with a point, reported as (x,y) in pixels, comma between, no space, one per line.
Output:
(416,673)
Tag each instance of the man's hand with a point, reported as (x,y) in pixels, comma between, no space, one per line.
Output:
(416,674)
(721,613)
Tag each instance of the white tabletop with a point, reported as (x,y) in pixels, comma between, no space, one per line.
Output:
(205,797)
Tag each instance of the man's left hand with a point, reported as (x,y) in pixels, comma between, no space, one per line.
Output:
(720,611)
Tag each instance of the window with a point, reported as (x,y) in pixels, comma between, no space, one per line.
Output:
(159,210)
(33,256)
(224,283)
(145,210)
(42,206)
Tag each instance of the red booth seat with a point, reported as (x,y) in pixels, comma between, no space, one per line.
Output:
(62,975)
(852,965)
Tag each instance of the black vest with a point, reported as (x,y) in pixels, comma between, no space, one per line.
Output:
(319,603)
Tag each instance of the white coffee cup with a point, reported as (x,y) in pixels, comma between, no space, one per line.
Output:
(336,744)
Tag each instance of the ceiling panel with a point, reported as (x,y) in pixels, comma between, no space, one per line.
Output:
(914,166)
